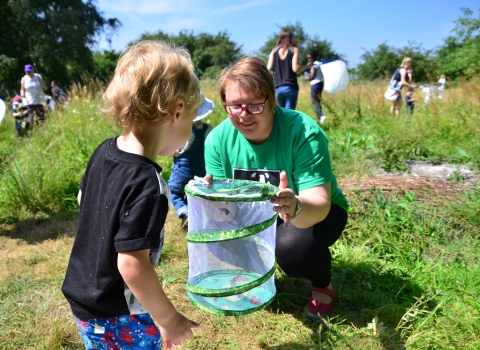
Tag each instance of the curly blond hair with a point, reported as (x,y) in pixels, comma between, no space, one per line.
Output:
(149,79)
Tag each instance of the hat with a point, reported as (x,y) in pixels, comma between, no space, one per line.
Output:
(17,98)
(206,107)
(28,68)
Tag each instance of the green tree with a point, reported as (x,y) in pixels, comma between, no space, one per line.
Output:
(460,54)
(55,35)
(210,53)
(379,63)
(382,61)
(104,64)
(305,44)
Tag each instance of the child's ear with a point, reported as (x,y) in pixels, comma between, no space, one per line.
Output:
(178,110)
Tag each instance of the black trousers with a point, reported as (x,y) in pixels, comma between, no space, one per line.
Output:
(301,253)
(304,253)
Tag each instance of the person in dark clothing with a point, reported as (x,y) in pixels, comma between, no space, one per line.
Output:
(284,62)
(410,101)
(111,283)
(316,84)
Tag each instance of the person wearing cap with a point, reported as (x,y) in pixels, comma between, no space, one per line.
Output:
(32,86)
(189,161)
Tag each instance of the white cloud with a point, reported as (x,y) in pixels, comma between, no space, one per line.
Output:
(241,7)
(146,7)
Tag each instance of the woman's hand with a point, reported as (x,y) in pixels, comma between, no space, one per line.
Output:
(285,200)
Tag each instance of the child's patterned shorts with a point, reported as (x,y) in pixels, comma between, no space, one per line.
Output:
(121,332)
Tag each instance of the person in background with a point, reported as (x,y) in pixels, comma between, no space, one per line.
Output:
(441,86)
(284,62)
(410,101)
(189,161)
(20,113)
(58,95)
(111,283)
(263,142)
(31,88)
(316,84)
(403,76)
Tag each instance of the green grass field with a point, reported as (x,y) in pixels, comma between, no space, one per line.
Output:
(406,270)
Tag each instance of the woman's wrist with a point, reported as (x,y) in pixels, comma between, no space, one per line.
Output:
(298,208)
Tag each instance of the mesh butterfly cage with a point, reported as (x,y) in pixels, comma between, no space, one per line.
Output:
(231,245)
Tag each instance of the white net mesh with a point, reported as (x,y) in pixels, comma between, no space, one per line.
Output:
(253,254)
(205,215)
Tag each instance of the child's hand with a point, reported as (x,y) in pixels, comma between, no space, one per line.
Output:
(178,330)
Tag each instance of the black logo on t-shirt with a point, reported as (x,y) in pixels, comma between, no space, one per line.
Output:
(261,175)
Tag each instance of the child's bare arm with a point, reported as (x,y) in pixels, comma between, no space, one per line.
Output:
(140,276)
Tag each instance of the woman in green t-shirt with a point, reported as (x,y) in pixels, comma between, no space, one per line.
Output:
(263,142)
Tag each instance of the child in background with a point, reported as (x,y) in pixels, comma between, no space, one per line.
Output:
(189,161)
(20,113)
(410,101)
(316,84)
(111,283)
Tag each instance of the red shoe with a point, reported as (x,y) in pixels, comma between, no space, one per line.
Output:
(316,309)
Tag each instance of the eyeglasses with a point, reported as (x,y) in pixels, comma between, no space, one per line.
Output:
(236,110)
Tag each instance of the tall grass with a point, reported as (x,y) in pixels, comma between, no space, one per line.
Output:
(406,270)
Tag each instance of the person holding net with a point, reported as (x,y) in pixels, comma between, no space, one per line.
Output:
(286,148)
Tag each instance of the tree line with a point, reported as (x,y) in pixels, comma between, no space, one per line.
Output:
(58,36)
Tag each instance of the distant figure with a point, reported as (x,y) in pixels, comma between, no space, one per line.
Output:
(284,62)
(403,76)
(410,101)
(441,86)
(58,95)
(31,88)
(20,113)
(189,161)
(316,84)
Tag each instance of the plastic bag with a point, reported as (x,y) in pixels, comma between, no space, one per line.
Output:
(391,94)
(335,75)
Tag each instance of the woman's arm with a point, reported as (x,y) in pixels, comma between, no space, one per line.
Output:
(22,90)
(296,67)
(310,75)
(403,79)
(42,83)
(270,61)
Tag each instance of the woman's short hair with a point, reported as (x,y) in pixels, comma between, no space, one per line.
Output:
(252,75)
(405,60)
(286,39)
(149,79)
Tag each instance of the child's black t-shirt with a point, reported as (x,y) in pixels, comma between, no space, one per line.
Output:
(123,208)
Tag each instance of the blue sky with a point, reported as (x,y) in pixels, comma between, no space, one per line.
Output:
(351,26)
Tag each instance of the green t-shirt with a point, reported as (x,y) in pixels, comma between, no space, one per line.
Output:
(296,144)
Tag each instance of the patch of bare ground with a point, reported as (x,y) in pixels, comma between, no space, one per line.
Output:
(429,180)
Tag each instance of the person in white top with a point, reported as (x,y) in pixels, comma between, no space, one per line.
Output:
(316,84)
(441,85)
(31,88)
